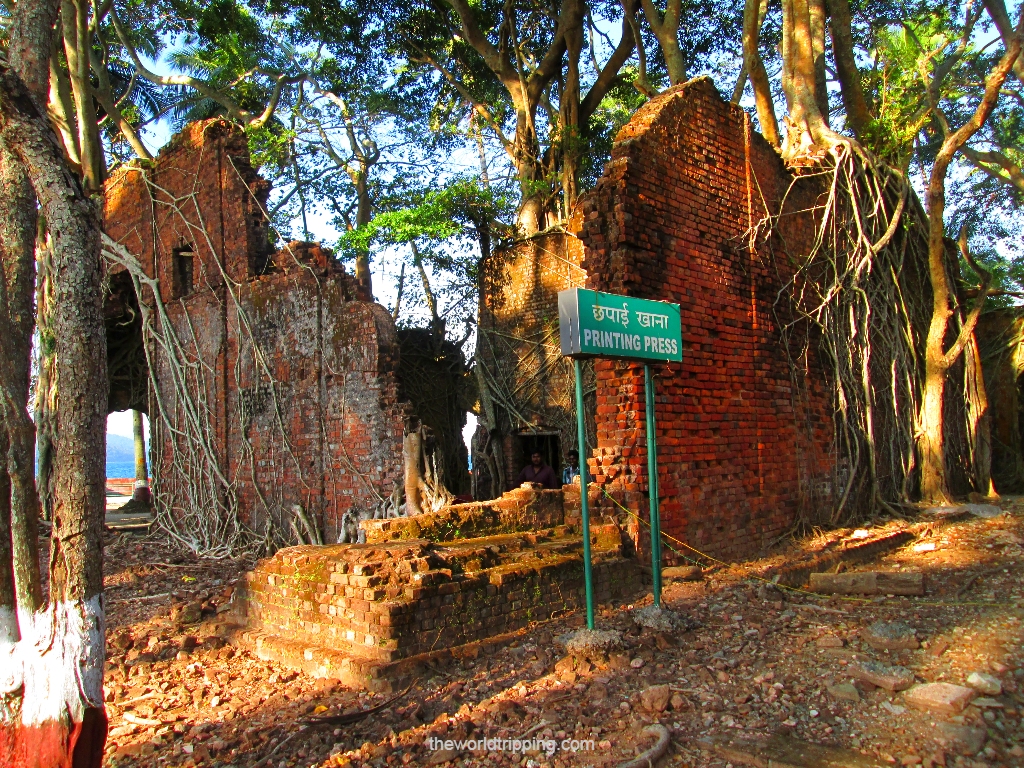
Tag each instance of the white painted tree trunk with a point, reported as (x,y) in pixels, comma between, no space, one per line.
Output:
(51,685)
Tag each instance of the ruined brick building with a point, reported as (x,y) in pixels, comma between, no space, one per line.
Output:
(274,374)
(278,382)
(740,448)
(1001,349)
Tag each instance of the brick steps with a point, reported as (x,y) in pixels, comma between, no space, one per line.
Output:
(366,614)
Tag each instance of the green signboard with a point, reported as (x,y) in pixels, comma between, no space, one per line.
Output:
(595,324)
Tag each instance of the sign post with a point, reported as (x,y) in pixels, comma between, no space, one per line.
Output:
(652,486)
(594,324)
(581,440)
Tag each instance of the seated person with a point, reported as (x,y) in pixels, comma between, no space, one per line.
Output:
(538,472)
(571,472)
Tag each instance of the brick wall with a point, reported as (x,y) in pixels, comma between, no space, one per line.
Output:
(366,612)
(668,220)
(291,368)
(519,345)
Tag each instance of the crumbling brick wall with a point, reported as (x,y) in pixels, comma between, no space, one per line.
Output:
(739,447)
(518,346)
(291,367)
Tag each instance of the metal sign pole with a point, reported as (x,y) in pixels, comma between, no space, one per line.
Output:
(581,438)
(594,324)
(652,484)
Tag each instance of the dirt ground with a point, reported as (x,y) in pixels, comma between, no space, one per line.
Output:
(763,661)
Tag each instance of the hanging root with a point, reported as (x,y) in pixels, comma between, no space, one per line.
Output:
(197,502)
(857,303)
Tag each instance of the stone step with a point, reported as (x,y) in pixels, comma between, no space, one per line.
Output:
(345,609)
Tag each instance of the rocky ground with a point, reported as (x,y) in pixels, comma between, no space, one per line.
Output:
(763,662)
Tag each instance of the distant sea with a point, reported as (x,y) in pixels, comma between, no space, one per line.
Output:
(117,469)
(120,456)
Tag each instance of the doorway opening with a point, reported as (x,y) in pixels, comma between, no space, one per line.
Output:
(548,444)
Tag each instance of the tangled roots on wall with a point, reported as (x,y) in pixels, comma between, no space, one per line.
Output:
(861,301)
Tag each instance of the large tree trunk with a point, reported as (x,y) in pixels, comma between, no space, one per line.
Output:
(858,116)
(816,13)
(666,29)
(802,30)
(533,214)
(53,692)
(569,119)
(17,254)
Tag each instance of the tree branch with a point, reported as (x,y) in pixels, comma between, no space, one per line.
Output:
(234,110)
(984,160)
(608,75)
(979,302)
(479,108)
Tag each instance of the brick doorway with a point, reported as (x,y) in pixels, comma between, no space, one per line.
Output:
(548,443)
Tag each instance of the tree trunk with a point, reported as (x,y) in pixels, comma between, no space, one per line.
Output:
(807,128)
(412,450)
(364,213)
(436,322)
(61,107)
(931,450)
(858,116)
(77,42)
(60,718)
(938,360)
(398,295)
(45,398)
(980,417)
(816,12)
(753,16)
(666,29)
(533,215)
(17,256)
(8,608)
(141,491)
(569,119)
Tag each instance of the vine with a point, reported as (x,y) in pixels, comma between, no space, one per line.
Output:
(856,304)
(196,502)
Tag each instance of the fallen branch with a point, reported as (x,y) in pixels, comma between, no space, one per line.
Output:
(820,609)
(651,756)
(280,744)
(135,719)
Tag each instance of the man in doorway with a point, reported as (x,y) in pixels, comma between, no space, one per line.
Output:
(538,472)
(572,471)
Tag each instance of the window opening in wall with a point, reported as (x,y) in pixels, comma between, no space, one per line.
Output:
(184,272)
(549,445)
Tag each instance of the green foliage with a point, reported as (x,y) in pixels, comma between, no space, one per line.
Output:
(436,215)
(907,53)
